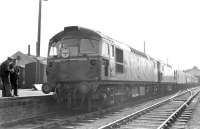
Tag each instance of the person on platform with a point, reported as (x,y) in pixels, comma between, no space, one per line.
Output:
(5,77)
(14,76)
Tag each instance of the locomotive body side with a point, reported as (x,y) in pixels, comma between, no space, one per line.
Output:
(127,64)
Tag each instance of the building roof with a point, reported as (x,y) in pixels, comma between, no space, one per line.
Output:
(24,59)
(194,71)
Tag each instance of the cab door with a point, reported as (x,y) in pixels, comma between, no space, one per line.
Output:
(105,60)
(112,61)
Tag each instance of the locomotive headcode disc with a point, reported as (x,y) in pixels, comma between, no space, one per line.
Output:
(65,52)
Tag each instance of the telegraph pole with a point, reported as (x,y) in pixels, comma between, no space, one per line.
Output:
(37,77)
(39,29)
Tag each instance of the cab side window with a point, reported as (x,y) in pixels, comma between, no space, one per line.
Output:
(106,50)
(113,50)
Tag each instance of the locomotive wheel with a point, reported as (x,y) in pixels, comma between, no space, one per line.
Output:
(69,101)
(60,93)
(46,89)
(89,104)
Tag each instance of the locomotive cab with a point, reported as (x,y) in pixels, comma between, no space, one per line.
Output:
(73,60)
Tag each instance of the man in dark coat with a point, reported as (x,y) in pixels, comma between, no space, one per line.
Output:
(14,75)
(5,77)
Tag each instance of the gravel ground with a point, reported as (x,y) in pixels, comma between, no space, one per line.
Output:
(194,122)
(96,122)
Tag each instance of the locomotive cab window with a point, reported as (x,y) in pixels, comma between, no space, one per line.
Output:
(70,47)
(119,60)
(54,49)
(88,46)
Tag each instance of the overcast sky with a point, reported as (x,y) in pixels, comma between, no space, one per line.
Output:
(170,28)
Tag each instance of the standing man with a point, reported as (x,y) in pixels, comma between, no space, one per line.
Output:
(14,75)
(5,77)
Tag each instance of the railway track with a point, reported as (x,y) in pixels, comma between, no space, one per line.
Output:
(66,119)
(171,113)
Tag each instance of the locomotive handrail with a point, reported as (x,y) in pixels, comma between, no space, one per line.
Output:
(112,124)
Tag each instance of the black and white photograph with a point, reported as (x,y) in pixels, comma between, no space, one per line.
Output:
(100,64)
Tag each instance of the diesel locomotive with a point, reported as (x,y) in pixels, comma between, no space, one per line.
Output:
(86,66)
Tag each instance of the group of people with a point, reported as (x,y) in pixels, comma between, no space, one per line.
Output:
(9,74)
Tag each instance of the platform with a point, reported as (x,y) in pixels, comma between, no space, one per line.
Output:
(27,92)
(28,104)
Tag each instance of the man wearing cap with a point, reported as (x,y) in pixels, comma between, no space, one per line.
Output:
(14,75)
(5,77)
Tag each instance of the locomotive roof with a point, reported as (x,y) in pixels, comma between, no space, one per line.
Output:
(74,29)
(97,35)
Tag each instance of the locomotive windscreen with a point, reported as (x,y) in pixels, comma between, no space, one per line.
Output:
(69,47)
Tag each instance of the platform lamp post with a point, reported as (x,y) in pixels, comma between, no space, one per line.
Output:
(39,28)
(37,73)
(144,47)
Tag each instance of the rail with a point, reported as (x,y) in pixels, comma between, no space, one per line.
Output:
(173,117)
(138,113)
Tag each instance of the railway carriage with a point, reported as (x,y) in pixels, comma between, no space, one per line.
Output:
(180,77)
(183,79)
(191,79)
(84,65)
(167,73)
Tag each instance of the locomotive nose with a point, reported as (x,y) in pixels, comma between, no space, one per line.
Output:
(81,69)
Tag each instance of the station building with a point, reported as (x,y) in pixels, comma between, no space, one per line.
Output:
(32,69)
(194,71)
